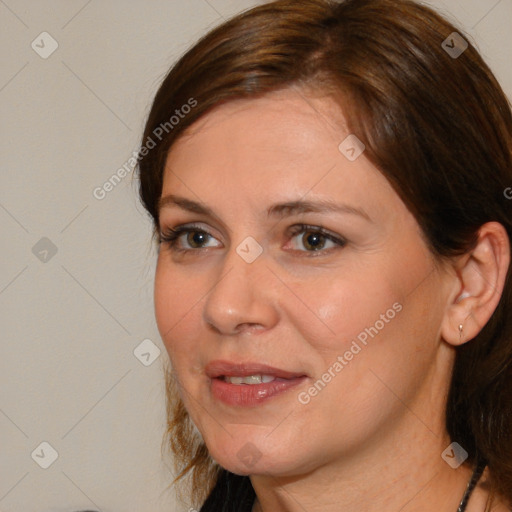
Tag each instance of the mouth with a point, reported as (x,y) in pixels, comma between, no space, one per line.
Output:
(218,369)
(249,384)
(250,380)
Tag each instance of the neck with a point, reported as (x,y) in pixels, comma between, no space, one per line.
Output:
(405,473)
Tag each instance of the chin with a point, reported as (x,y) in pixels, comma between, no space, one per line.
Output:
(255,456)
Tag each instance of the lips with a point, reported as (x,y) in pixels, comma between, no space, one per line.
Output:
(217,369)
(228,382)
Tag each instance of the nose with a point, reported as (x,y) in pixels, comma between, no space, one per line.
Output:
(242,298)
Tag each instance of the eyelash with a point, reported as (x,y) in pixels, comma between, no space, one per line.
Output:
(170,237)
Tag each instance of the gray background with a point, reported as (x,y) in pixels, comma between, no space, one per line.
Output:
(72,319)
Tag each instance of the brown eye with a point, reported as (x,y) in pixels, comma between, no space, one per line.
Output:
(316,239)
(186,238)
(313,240)
(197,238)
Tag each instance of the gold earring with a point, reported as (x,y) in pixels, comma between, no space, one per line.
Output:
(460,333)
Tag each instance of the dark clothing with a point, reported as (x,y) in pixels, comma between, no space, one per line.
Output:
(232,493)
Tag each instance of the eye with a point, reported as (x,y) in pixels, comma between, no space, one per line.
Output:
(316,238)
(185,238)
(190,238)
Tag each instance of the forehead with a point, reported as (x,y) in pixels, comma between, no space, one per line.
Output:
(285,122)
(278,147)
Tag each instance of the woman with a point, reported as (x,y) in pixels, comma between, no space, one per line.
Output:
(328,186)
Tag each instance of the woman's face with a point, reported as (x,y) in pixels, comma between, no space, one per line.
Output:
(345,321)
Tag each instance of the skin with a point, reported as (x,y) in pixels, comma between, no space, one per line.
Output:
(372,438)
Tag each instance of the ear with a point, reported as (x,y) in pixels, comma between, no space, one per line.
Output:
(478,286)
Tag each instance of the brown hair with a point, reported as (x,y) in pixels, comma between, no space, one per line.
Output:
(439,128)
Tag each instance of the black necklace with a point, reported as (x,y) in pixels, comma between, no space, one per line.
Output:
(477,473)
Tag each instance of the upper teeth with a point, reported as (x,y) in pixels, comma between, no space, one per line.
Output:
(250,379)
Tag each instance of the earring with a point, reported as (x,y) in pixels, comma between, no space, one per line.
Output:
(460,333)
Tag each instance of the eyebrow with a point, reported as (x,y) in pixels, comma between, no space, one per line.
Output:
(278,210)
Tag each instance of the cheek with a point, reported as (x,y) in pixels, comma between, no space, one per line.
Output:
(382,332)
(342,306)
(177,307)
(373,316)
